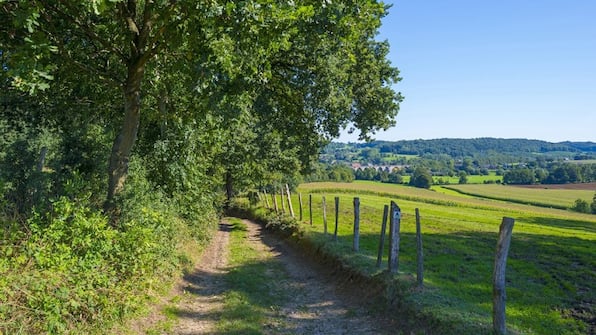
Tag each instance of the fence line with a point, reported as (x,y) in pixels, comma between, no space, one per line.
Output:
(393,214)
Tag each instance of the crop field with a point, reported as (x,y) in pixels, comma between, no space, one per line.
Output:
(550,271)
(472,179)
(543,196)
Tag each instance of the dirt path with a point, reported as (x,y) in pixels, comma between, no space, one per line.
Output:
(204,288)
(314,305)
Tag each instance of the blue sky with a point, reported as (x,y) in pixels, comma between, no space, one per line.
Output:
(506,69)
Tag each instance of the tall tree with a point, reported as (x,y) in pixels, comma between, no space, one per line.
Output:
(309,68)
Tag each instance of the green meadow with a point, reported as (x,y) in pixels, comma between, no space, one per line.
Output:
(549,197)
(471,179)
(550,271)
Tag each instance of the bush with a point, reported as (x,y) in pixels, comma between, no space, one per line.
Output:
(581,206)
(281,224)
(68,269)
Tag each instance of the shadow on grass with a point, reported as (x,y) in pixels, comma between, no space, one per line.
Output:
(551,280)
(586,226)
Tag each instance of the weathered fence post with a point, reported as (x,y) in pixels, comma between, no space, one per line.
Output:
(283,205)
(300,204)
(290,201)
(266,199)
(382,238)
(356,242)
(310,207)
(42,158)
(274,198)
(499,295)
(394,226)
(324,216)
(419,252)
(336,217)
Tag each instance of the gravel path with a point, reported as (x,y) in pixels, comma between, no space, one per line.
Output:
(314,305)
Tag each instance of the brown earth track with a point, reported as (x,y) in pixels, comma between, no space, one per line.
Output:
(204,289)
(316,304)
(578,186)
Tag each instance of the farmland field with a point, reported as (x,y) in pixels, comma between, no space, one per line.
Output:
(550,272)
(543,195)
(472,179)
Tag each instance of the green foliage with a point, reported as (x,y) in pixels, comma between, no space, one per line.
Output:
(279,223)
(421,178)
(463,178)
(326,172)
(519,176)
(581,206)
(285,77)
(71,269)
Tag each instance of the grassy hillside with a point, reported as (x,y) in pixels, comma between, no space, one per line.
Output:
(558,198)
(550,272)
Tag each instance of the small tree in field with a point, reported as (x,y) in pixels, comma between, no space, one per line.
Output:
(593,206)
(581,206)
(463,177)
(421,178)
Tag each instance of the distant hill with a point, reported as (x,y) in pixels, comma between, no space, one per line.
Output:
(504,149)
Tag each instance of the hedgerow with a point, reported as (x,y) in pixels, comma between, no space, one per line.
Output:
(70,270)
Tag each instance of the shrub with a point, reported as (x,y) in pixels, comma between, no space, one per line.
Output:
(70,269)
(581,206)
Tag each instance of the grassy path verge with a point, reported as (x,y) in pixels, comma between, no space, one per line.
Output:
(251,282)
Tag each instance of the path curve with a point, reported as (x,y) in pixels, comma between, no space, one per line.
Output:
(315,305)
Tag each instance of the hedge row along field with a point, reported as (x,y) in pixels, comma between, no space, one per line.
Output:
(550,271)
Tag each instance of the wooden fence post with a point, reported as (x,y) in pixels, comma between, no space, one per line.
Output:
(290,201)
(499,295)
(283,205)
(419,252)
(310,207)
(300,203)
(266,199)
(324,216)
(356,242)
(382,238)
(274,198)
(336,217)
(394,226)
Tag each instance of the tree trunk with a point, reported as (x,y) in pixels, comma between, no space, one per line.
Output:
(123,143)
(229,188)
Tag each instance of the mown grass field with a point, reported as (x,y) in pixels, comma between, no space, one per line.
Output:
(549,197)
(551,268)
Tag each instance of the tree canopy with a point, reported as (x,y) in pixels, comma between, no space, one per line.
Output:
(284,77)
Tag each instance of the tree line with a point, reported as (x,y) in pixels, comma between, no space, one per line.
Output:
(557,173)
